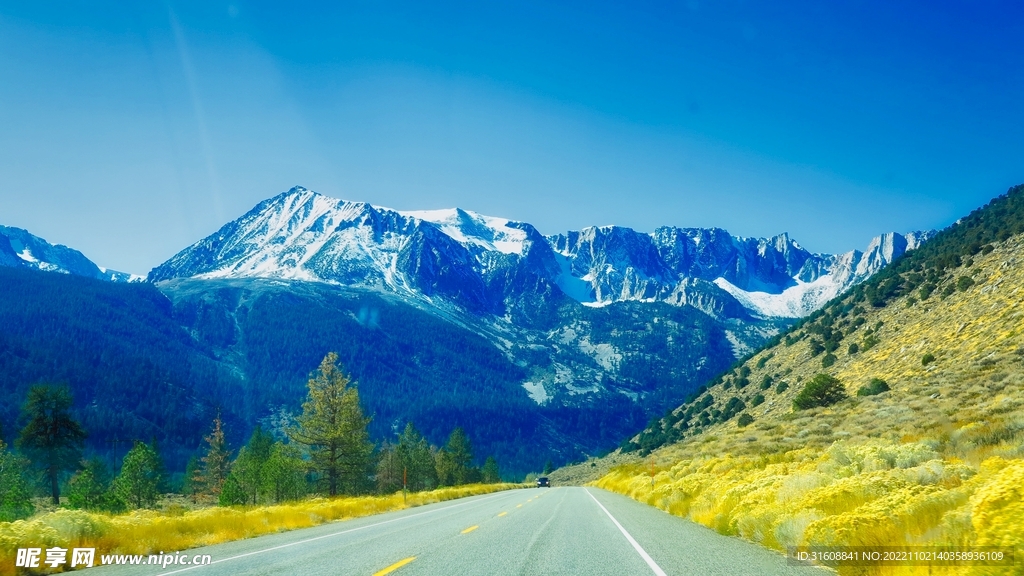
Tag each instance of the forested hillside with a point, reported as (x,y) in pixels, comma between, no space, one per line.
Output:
(410,365)
(540,348)
(143,367)
(134,372)
(894,415)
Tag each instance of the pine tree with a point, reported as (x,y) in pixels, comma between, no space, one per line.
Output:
(461,452)
(231,492)
(83,490)
(192,484)
(417,461)
(163,486)
(216,461)
(248,468)
(490,473)
(445,466)
(88,488)
(390,470)
(137,484)
(15,494)
(52,439)
(332,425)
(822,390)
(284,474)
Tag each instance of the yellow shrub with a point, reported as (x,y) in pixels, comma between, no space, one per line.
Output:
(868,493)
(998,508)
(149,531)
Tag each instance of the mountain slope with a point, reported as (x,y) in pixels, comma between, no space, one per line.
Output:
(528,293)
(530,403)
(134,372)
(935,457)
(598,329)
(541,348)
(20,249)
(487,264)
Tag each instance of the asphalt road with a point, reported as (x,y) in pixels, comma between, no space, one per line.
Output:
(545,531)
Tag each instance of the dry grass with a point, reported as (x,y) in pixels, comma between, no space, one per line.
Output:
(938,460)
(147,531)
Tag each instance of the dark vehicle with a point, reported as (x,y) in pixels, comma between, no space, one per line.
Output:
(542,482)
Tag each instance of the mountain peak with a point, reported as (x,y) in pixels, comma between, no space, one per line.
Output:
(21,249)
(298,190)
(486,262)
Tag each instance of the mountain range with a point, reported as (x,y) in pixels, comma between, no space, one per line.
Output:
(487,264)
(20,249)
(541,347)
(891,416)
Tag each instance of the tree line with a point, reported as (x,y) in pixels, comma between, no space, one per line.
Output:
(326,449)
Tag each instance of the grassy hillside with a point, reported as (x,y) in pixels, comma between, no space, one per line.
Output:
(932,457)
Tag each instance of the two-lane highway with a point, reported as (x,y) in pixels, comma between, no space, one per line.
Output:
(534,531)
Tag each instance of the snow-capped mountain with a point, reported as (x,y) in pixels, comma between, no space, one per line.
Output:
(540,347)
(493,265)
(302,235)
(21,249)
(597,329)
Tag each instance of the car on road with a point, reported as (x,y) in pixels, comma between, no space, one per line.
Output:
(542,482)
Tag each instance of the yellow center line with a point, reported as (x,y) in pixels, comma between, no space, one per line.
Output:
(502,514)
(394,566)
(519,505)
(470,529)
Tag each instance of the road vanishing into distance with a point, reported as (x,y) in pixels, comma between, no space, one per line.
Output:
(543,531)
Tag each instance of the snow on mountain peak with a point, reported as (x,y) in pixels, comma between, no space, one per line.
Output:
(470,228)
(488,263)
(21,249)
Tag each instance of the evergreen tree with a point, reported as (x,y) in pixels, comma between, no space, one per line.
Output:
(445,466)
(248,468)
(89,488)
(417,461)
(284,473)
(260,444)
(192,484)
(459,458)
(822,390)
(51,439)
(490,473)
(163,486)
(231,492)
(15,494)
(137,484)
(332,425)
(216,461)
(390,470)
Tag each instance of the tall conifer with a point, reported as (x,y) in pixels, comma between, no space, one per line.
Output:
(217,460)
(332,425)
(52,439)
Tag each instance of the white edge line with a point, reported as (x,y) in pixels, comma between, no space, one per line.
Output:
(332,534)
(643,553)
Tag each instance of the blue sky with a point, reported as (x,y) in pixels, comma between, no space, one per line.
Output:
(131,131)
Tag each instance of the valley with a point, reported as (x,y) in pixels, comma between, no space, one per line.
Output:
(544,348)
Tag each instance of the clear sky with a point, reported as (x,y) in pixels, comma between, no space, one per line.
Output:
(130,131)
